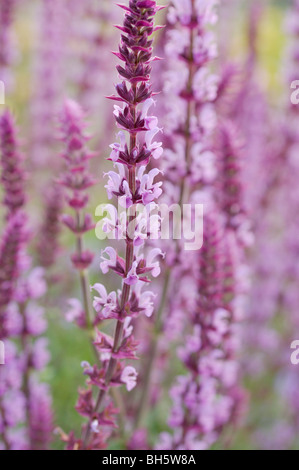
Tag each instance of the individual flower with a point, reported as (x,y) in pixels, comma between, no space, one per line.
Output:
(129,377)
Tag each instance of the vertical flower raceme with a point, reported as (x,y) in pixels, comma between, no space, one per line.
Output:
(12,401)
(76,180)
(133,187)
(35,356)
(204,400)
(21,318)
(91,37)
(189,164)
(40,415)
(12,245)
(13,175)
(49,78)
(209,396)
(190,90)
(12,397)
(7,9)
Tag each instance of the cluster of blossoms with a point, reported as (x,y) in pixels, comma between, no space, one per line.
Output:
(13,176)
(25,416)
(132,186)
(77,179)
(270,171)
(208,396)
(50,228)
(189,161)
(49,78)
(192,88)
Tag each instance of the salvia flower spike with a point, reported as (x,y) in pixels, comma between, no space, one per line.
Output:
(132,185)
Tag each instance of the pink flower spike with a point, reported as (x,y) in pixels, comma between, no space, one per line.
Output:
(107,304)
(151,122)
(118,147)
(129,377)
(154,147)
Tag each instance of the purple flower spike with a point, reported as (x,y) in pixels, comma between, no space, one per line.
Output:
(21,319)
(131,185)
(13,176)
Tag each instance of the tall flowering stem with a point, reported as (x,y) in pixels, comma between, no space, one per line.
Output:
(189,164)
(208,397)
(25,419)
(133,187)
(93,59)
(190,89)
(14,236)
(50,228)
(13,175)
(76,180)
